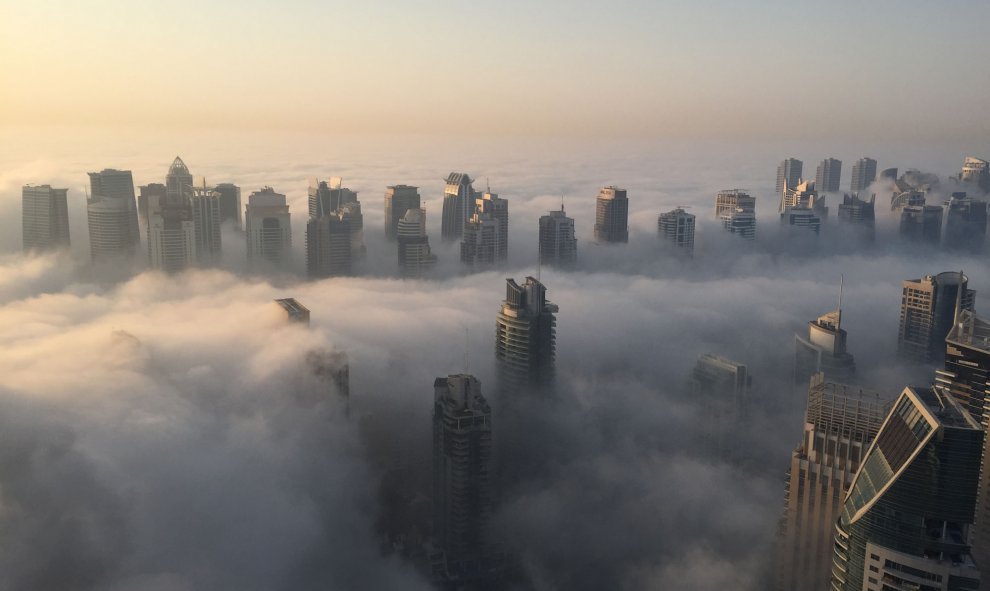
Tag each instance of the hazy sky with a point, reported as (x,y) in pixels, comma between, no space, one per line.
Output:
(777,69)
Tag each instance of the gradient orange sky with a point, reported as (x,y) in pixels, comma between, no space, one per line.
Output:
(769,69)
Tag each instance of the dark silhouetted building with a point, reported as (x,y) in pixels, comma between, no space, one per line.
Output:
(111,213)
(178,181)
(965,223)
(864,172)
(928,306)
(171,235)
(721,389)
(398,200)
(205,202)
(458,205)
(921,224)
(828,175)
(480,241)
(677,226)
(328,246)
(525,336)
(859,216)
(788,174)
(294,311)
(230,203)
(558,246)
(149,194)
(612,215)
(45,218)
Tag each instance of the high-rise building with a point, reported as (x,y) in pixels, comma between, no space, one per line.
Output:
(612,215)
(178,181)
(45,218)
(458,205)
(462,479)
(269,235)
(480,242)
(976,171)
(112,215)
(828,175)
(864,172)
(171,236)
(558,246)
(801,217)
(859,216)
(824,350)
(921,224)
(328,245)
(415,257)
(721,387)
(205,203)
(525,336)
(965,222)
(677,226)
(788,174)
(149,194)
(492,205)
(398,200)
(294,311)
(737,211)
(928,306)
(326,197)
(230,203)
(905,522)
(804,195)
(840,423)
(889,174)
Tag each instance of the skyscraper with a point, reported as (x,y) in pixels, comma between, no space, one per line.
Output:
(45,218)
(965,223)
(977,172)
(804,195)
(864,172)
(462,478)
(801,217)
(171,235)
(205,203)
(415,257)
(149,195)
(612,215)
(458,205)
(269,235)
(840,423)
(480,242)
(928,306)
(859,216)
(398,200)
(737,211)
(558,246)
(525,336)
(828,175)
(966,377)
(112,215)
(178,181)
(677,226)
(788,174)
(905,522)
(921,224)
(230,203)
(824,350)
(492,205)
(325,197)
(328,245)
(721,387)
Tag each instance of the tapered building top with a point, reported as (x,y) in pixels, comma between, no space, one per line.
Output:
(525,336)
(178,167)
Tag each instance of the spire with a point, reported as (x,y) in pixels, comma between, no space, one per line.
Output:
(838,323)
(959,290)
(562,203)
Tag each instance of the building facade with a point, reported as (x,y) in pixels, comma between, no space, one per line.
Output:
(824,351)
(928,307)
(525,337)
(398,200)
(736,209)
(178,181)
(977,172)
(112,216)
(788,174)
(558,246)
(677,227)
(828,175)
(864,172)
(171,237)
(965,223)
(205,203)
(328,246)
(921,224)
(45,218)
(458,205)
(612,215)
(230,203)
(415,257)
(720,387)
(480,241)
(269,233)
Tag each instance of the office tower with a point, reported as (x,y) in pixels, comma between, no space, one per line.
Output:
(907,198)
(415,257)
(149,194)
(398,200)
(351,211)
(804,195)
(788,174)
(480,242)
(325,197)
(737,212)
(840,423)
(677,226)
(230,203)
(976,171)
(328,246)
(178,181)
(921,224)
(721,387)
(889,174)
(205,202)
(828,175)
(492,205)
(801,217)
(269,235)
(966,377)
(525,337)
(824,351)
(462,478)
(859,216)
(864,172)
(171,235)
(458,205)
(558,246)
(45,218)
(112,214)
(928,306)
(294,311)
(965,222)
(905,522)
(612,215)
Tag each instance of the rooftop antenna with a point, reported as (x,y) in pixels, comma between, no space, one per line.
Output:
(842,277)
(561,203)
(959,290)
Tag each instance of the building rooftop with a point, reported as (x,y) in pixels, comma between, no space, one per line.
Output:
(971,331)
(294,309)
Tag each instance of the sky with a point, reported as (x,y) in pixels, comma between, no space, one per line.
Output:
(767,69)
